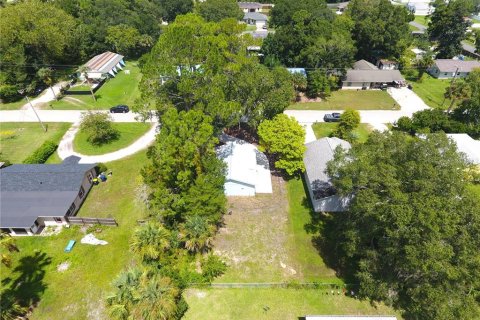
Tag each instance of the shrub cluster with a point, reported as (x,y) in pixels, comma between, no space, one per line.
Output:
(42,154)
(428,121)
(98,127)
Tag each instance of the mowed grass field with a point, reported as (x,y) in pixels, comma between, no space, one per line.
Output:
(267,238)
(123,89)
(351,99)
(128,133)
(13,105)
(18,140)
(80,291)
(431,91)
(422,20)
(274,304)
(324,129)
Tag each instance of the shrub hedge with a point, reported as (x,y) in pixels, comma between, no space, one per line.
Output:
(42,153)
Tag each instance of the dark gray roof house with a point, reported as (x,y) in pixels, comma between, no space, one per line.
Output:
(254,18)
(364,65)
(35,195)
(322,193)
(371,79)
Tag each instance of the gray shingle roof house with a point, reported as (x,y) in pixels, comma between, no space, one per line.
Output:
(446,68)
(322,193)
(255,18)
(364,65)
(33,196)
(250,6)
(370,79)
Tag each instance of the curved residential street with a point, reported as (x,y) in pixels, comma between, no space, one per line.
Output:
(65,147)
(58,116)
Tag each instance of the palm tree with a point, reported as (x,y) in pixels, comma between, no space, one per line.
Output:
(457,91)
(142,294)
(424,63)
(197,233)
(7,243)
(84,71)
(158,298)
(121,302)
(150,241)
(47,75)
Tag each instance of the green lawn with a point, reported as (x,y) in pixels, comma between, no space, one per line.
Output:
(431,91)
(18,140)
(301,247)
(129,132)
(422,20)
(249,303)
(13,105)
(79,292)
(273,303)
(324,129)
(123,89)
(476,189)
(351,99)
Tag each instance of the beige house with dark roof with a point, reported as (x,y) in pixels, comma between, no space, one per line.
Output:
(449,68)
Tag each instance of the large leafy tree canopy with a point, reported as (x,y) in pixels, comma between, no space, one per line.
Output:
(283,137)
(217,10)
(204,66)
(284,10)
(313,41)
(448,27)
(33,33)
(412,231)
(185,176)
(381,29)
(96,17)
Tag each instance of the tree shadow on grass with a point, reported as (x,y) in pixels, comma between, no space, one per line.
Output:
(25,287)
(326,238)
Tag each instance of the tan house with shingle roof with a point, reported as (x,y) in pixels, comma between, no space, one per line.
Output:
(448,68)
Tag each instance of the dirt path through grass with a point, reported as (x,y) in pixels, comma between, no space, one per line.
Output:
(254,239)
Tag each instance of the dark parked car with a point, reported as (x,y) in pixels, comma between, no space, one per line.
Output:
(121,108)
(39,90)
(332,117)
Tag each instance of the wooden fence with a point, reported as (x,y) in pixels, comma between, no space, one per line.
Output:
(84,221)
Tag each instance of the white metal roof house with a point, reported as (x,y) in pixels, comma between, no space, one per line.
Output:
(448,68)
(467,145)
(322,193)
(104,65)
(33,196)
(248,172)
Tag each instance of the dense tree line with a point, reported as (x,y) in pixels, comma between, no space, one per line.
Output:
(62,34)
(447,26)
(465,118)
(411,234)
(185,206)
(199,65)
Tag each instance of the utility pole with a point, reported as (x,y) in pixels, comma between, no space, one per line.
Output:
(451,85)
(34,111)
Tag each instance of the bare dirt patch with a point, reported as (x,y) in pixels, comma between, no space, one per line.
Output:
(254,238)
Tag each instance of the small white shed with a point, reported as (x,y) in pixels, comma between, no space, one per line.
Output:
(248,172)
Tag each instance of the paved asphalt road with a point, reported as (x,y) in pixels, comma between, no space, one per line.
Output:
(57,116)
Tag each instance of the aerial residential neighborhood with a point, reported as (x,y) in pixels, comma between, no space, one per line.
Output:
(224,159)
